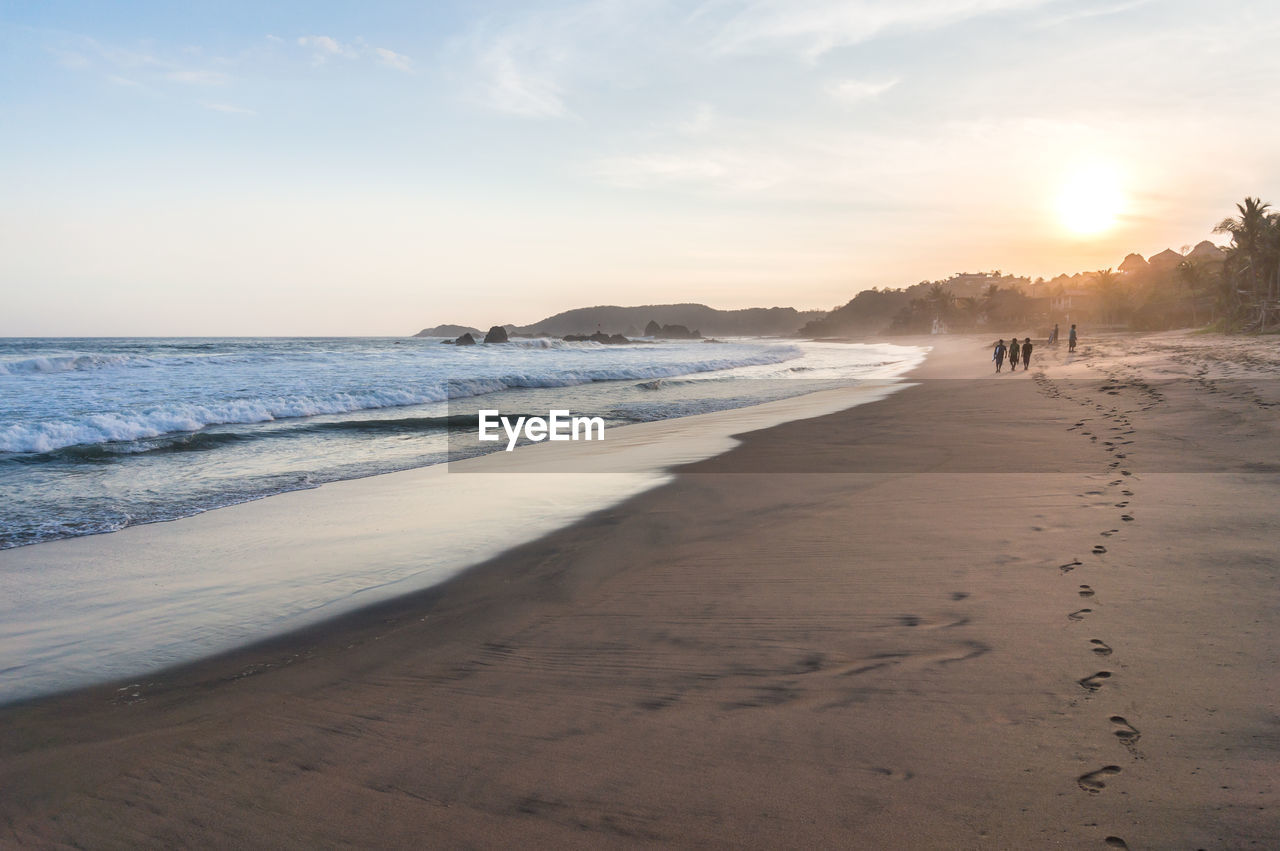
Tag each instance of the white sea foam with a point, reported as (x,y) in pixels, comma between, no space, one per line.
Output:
(402,387)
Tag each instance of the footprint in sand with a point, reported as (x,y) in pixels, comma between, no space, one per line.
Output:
(1070,566)
(1116,482)
(1100,647)
(1093,782)
(1124,504)
(1099,550)
(1078,614)
(1094,682)
(1125,732)
(1115,842)
(959,595)
(1127,492)
(1108,533)
(1128,518)
(1086,591)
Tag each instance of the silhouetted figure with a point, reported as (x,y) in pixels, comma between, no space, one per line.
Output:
(1026,354)
(1071,339)
(998,355)
(1053,338)
(1013,355)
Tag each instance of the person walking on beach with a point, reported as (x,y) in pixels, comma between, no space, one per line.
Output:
(1026,354)
(1053,338)
(998,355)
(1071,339)
(1013,355)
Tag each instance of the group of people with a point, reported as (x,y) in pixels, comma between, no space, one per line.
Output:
(1071,337)
(1016,350)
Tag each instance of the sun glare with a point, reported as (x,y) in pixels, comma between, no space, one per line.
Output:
(1090,200)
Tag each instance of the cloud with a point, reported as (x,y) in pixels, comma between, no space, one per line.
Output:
(70,58)
(198,78)
(814,28)
(512,85)
(394,60)
(325,48)
(529,64)
(855,91)
(229,108)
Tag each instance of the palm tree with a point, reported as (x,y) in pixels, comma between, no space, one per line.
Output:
(1191,276)
(940,299)
(1249,232)
(1107,283)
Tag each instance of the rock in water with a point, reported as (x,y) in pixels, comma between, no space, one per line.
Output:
(465,340)
(497,334)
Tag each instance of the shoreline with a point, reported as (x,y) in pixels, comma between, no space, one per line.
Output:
(243,573)
(856,640)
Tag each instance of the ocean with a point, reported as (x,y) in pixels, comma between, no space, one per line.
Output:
(98,435)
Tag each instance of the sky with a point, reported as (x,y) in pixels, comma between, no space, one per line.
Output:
(324,168)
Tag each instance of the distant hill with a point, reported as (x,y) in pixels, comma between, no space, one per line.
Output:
(450,331)
(753,321)
(869,312)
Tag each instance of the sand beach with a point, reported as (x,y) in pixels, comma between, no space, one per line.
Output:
(1034,610)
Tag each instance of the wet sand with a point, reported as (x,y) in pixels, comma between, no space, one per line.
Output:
(1034,610)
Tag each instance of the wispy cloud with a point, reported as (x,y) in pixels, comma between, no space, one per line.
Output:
(230,108)
(394,60)
(815,27)
(325,48)
(132,67)
(856,91)
(515,86)
(1092,12)
(198,78)
(70,59)
(529,65)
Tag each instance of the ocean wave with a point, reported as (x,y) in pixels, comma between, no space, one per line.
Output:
(70,363)
(121,426)
(116,427)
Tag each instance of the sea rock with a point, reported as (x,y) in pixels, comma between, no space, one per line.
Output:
(465,340)
(676,332)
(497,334)
(653,329)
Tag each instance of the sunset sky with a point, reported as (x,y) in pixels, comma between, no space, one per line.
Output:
(343,168)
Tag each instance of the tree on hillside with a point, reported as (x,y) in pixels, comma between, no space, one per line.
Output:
(1114,299)
(940,300)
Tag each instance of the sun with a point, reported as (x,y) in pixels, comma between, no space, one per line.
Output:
(1091,200)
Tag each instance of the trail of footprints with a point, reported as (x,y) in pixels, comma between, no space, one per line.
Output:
(1114,443)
